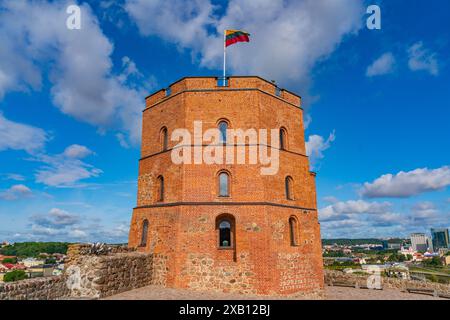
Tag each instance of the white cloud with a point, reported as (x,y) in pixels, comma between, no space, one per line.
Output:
(330,199)
(307,120)
(178,21)
(15,192)
(76,151)
(316,145)
(287,37)
(65,169)
(122,141)
(342,210)
(61,225)
(426,214)
(383,65)
(421,59)
(359,218)
(56,218)
(407,184)
(34,38)
(77,233)
(14,176)
(19,136)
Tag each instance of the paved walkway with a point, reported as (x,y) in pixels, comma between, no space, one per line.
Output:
(332,293)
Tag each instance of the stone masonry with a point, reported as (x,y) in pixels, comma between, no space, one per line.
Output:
(332,276)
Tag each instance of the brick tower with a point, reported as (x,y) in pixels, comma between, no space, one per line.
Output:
(227,227)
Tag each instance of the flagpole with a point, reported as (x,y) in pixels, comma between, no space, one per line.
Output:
(224,57)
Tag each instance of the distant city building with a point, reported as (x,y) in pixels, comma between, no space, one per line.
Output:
(440,238)
(32,262)
(420,242)
(394,245)
(407,252)
(385,244)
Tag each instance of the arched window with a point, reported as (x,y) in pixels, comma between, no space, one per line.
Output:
(283,139)
(293,231)
(225,225)
(223,126)
(289,188)
(224,184)
(164,139)
(144,233)
(160,188)
(224,234)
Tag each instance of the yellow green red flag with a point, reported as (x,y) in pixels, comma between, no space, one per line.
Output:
(234,36)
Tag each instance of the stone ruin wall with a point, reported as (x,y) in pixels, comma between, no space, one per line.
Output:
(48,288)
(124,269)
(91,276)
(332,276)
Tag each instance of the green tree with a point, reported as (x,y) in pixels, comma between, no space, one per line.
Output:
(334,254)
(33,249)
(10,260)
(395,257)
(15,275)
(433,262)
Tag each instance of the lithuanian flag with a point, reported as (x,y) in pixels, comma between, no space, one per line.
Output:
(233,36)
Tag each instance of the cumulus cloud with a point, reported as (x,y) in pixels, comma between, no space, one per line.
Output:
(15,192)
(426,213)
(56,224)
(422,59)
(19,136)
(316,145)
(287,37)
(178,21)
(343,209)
(407,184)
(330,199)
(424,209)
(76,151)
(34,37)
(61,225)
(383,65)
(363,218)
(65,169)
(56,218)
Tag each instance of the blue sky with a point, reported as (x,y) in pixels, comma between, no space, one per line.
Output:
(377,104)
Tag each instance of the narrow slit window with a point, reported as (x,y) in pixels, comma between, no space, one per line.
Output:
(164,139)
(224,184)
(293,230)
(289,188)
(283,141)
(223,127)
(160,188)
(144,233)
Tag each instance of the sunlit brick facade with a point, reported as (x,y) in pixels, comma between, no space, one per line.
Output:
(273,244)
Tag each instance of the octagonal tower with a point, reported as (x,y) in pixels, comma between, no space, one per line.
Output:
(227,227)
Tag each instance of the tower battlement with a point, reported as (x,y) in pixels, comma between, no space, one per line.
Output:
(233,83)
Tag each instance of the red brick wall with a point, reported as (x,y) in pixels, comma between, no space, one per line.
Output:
(182,229)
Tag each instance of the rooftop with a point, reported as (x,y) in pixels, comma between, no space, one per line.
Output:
(232,83)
